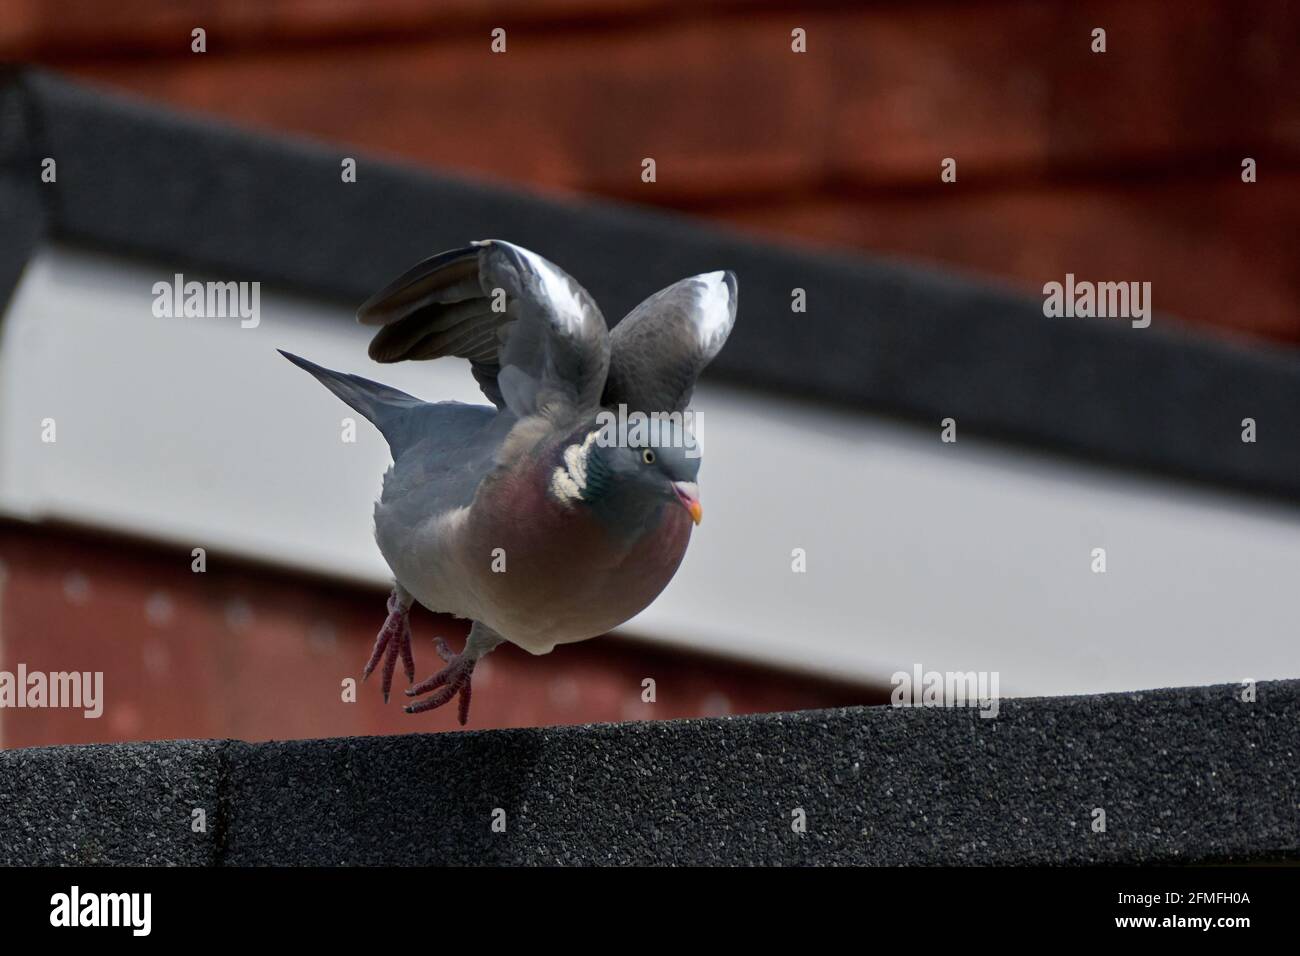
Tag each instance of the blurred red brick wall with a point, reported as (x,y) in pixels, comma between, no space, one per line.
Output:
(258,654)
(1124,165)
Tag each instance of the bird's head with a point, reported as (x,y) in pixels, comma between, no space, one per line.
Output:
(603,467)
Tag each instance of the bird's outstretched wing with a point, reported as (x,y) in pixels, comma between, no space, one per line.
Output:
(535,339)
(658,351)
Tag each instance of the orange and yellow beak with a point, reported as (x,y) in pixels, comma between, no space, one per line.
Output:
(688,493)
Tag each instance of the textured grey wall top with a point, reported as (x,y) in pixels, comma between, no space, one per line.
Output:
(1182,775)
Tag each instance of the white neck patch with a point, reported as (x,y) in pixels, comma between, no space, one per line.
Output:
(569,481)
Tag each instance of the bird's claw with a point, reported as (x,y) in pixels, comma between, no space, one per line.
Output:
(394,640)
(453,679)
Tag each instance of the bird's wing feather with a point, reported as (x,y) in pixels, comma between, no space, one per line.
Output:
(658,351)
(453,447)
(546,350)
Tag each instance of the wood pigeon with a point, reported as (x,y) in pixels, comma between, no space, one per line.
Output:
(534,518)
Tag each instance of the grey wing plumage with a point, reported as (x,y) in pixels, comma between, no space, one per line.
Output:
(535,339)
(443,466)
(658,351)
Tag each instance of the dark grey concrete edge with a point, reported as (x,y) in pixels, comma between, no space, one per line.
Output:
(1191,775)
(912,342)
(114,804)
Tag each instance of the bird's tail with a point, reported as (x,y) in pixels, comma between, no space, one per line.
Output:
(384,407)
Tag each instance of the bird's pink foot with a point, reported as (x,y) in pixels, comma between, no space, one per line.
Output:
(453,679)
(394,639)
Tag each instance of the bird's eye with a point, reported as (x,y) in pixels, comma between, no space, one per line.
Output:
(648,456)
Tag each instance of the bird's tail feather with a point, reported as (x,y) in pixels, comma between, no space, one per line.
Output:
(383,406)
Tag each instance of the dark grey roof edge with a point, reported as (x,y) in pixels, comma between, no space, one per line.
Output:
(1189,775)
(24,219)
(884,336)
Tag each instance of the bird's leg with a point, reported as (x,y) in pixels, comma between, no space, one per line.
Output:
(394,639)
(455,677)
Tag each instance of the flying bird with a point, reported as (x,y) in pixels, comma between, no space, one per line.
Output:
(530,517)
